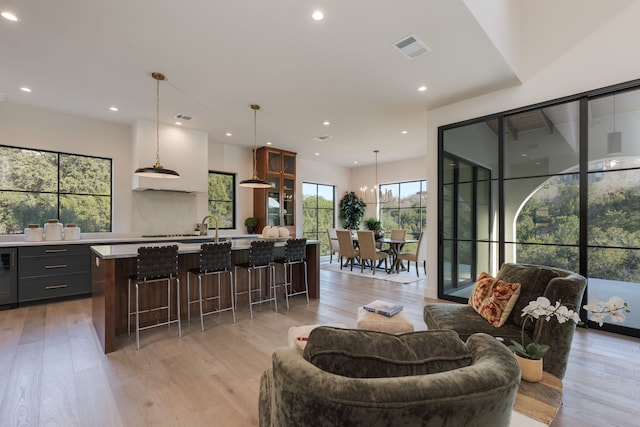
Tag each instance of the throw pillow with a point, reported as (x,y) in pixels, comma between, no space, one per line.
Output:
(494,299)
(359,353)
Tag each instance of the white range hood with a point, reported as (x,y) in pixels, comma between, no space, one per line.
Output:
(186,151)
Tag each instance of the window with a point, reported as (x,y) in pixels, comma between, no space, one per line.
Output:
(222,199)
(318,213)
(37,185)
(407,209)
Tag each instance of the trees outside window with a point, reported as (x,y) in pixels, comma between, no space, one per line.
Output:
(407,208)
(37,185)
(318,213)
(222,199)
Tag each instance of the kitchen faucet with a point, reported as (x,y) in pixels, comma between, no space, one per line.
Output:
(204,226)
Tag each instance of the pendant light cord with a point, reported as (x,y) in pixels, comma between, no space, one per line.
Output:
(157,122)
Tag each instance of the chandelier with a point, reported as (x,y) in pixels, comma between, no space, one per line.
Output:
(157,171)
(374,196)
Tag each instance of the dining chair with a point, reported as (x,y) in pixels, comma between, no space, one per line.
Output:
(215,259)
(420,255)
(368,251)
(294,253)
(334,247)
(347,250)
(260,258)
(154,264)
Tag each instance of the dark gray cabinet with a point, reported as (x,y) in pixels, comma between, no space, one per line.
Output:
(53,271)
(8,278)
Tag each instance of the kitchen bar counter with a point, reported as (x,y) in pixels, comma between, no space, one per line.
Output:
(111,266)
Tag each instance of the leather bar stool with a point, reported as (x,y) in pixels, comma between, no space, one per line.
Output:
(153,265)
(260,258)
(295,253)
(215,259)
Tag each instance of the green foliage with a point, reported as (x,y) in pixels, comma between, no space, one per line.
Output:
(532,351)
(251,222)
(351,210)
(221,196)
(372,224)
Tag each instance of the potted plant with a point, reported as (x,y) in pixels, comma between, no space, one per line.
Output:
(374,225)
(251,223)
(351,210)
(530,356)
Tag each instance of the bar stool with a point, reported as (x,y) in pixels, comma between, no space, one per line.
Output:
(294,253)
(215,259)
(260,258)
(153,265)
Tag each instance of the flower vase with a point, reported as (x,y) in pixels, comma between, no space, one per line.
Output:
(531,370)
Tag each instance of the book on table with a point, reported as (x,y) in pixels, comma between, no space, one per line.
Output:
(382,307)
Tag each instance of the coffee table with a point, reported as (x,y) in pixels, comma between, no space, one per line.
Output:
(539,402)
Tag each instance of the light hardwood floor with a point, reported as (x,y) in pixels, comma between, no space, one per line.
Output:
(53,372)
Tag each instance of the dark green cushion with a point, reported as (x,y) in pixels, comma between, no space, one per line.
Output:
(370,354)
(533,281)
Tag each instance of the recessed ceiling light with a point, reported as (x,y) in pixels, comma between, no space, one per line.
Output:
(179,123)
(317,15)
(523,155)
(9,16)
(228,133)
(404,132)
(268,142)
(355,162)
(326,123)
(25,89)
(422,88)
(113,108)
(317,154)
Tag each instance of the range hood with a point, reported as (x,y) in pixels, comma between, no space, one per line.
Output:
(184,150)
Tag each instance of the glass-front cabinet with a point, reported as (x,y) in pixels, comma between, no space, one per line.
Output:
(275,206)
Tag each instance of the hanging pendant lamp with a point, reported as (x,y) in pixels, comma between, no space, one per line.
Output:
(157,171)
(375,197)
(255,182)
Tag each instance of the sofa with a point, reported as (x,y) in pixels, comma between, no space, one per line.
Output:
(535,280)
(351,377)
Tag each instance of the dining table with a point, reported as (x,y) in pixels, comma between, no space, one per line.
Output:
(395,245)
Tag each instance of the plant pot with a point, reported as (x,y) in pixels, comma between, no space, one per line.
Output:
(531,370)
(250,229)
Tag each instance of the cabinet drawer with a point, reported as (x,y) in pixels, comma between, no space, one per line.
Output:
(53,265)
(53,250)
(54,286)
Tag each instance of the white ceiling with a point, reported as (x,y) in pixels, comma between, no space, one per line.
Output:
(83,56)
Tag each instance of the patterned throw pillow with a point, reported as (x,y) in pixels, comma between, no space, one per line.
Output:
(494,299)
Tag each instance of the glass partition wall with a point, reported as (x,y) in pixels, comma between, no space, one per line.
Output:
(556,184)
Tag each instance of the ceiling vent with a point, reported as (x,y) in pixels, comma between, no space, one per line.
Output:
(183,117)
(411,47)
(322,138)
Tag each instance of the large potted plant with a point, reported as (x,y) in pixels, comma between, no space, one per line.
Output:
(351,210)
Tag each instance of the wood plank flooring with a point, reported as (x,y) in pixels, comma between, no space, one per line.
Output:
(53,372)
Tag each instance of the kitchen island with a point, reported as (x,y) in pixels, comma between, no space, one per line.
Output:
(111,266)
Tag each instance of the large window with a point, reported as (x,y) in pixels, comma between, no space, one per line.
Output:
(565,181)
(37,185)
(406,209)
(222,199)
(318,213)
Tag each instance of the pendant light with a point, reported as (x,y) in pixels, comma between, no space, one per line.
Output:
(255,182)
(157,171)
(376,198)
(614,138)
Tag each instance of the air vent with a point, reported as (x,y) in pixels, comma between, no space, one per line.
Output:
(411,47)
(322,138)
(183,117)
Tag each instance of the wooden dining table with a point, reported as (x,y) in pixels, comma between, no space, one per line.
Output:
(395,246)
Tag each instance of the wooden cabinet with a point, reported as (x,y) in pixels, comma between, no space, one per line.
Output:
(275,206)
(46,272)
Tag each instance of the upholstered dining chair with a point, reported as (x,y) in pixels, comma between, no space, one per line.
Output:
(420,255)
(347,249)
(334,247)
(368,251)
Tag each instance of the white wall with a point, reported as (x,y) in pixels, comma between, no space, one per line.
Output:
(589,64)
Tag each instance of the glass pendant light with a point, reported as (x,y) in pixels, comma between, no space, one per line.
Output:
(255,182)
(157,171)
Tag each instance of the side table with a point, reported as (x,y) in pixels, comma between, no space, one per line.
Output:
(539,401)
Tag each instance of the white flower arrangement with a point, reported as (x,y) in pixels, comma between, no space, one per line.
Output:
(541,307)
(616,307)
